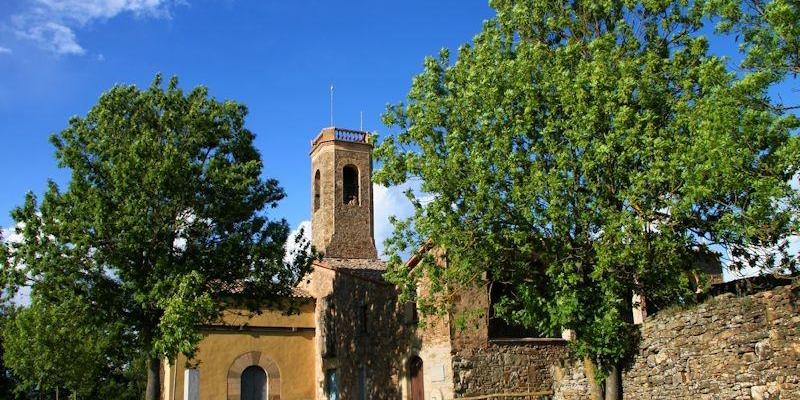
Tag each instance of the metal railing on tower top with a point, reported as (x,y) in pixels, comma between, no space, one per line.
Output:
(351,135)
(341,134)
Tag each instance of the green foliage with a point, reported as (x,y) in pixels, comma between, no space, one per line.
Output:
(68,345)
(7,381)
(768,31)
(585,151)
(163,220)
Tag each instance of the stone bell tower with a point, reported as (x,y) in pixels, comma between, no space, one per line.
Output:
(341,194)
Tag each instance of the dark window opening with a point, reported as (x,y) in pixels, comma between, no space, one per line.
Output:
(329,336)
(499,328)
(350,188)
(316,191)
(411,315)
(363,322)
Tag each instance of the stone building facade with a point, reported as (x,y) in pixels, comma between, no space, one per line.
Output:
(352,338)
(341,196)
(490,363)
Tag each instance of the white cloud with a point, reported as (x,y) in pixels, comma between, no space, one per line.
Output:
(54,37)
(9,235)
(389,202)
(5,50)
(23,296)
(52,23)
(292,245)
(85,11)
(762,254)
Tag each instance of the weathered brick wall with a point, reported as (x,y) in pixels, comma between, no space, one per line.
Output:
(729,347)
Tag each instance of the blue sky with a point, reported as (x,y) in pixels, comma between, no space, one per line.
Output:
(277,57)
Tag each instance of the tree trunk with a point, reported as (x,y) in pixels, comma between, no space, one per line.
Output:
(595,390)
(153,380)
(614,384)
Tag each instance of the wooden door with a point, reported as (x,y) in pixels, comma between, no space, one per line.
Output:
(254,383)
(417,386)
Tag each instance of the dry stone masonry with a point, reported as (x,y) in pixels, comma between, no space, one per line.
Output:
(507,368)
(727,348)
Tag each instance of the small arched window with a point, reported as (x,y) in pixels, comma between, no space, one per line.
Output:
(316,191)
(350,189)
(254,383)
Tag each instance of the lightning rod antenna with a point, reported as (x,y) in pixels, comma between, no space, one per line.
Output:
(331,104)
(362,121)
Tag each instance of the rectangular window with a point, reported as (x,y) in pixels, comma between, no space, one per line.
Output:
(329,335)
(410,314)
(363,321)
(332,384)
(362,383)
(191,385)
(499,328)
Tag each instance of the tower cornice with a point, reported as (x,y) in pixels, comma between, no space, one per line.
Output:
(334,134)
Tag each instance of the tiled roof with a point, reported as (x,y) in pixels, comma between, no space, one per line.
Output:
(301,293)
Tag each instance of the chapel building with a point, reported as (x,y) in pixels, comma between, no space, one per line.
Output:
(351,338)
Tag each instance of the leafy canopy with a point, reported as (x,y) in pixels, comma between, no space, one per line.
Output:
(82,353)
(769,31)
(580,152)
(164,220)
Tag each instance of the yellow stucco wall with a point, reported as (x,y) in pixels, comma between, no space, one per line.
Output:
(305,318)
(293,352)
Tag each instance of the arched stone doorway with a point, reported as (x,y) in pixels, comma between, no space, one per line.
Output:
(245,362)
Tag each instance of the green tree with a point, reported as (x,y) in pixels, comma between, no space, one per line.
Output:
(164,218)
(71,348)
(582,152)
(7,383)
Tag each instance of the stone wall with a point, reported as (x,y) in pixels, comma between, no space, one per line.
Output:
(571,382)
(730,347)
(362,334)
(507,368)
(485,366)
(434,348)
(338,229)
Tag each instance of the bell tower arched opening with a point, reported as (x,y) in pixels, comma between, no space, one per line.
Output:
(350,192)
(317,194)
